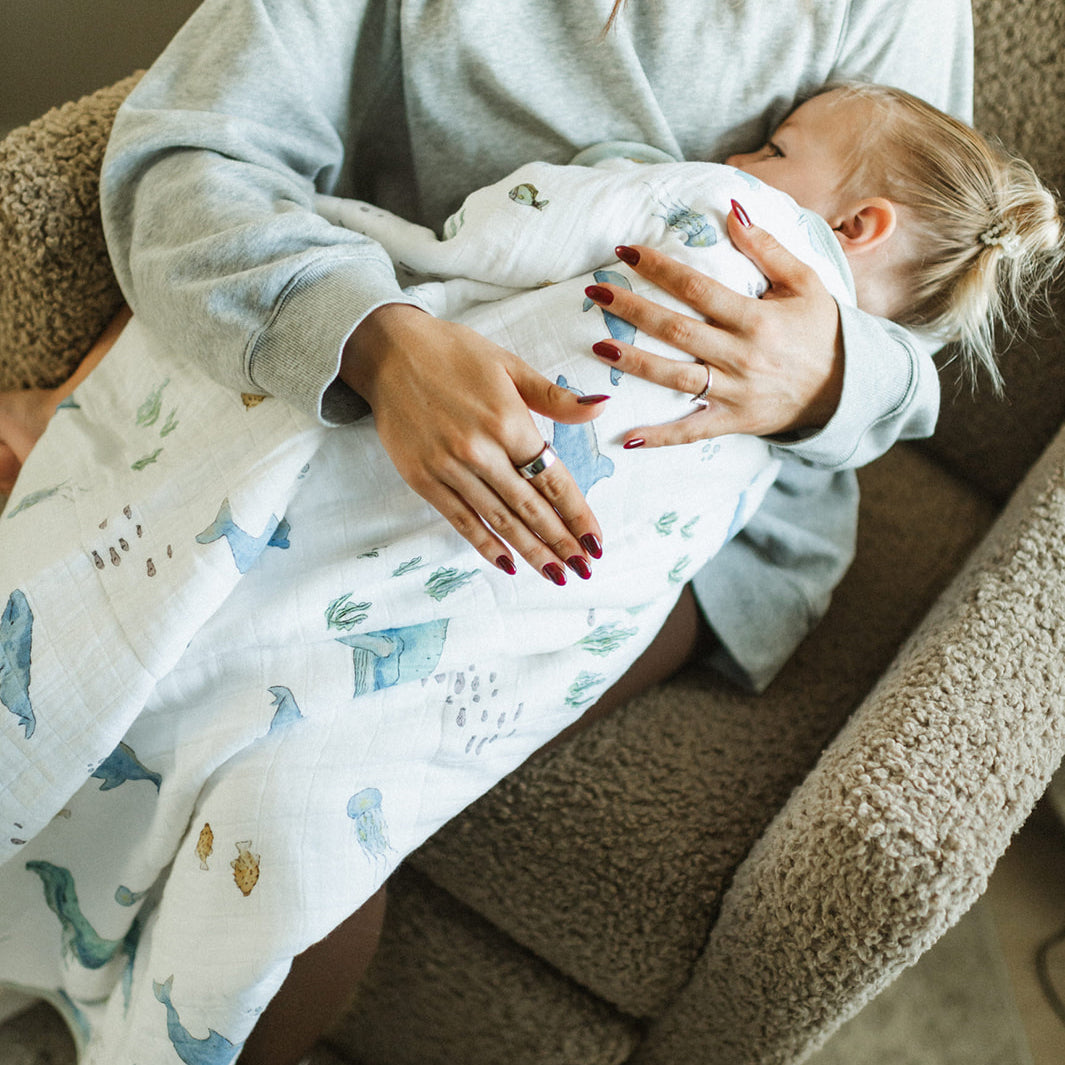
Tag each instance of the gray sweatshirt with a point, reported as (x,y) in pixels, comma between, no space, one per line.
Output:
(209,179)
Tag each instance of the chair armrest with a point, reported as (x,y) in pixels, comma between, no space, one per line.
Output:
(57,289)
(894,834)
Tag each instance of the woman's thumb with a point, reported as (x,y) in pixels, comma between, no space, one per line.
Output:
(552,400)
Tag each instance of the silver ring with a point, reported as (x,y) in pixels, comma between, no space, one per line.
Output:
(703,398)
(546,457)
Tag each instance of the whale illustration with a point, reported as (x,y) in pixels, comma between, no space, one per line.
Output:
(16,639)
(213,1049)
(245,547)
(121,765)
(578,448)
(78,937)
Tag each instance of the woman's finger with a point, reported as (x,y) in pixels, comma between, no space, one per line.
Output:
(785,273)
(677,374)
(710,300)
(517,512)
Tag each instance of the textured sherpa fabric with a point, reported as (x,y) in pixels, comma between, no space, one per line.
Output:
(895,833)
(57,289)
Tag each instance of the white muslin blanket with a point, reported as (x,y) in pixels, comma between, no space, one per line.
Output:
(244,669)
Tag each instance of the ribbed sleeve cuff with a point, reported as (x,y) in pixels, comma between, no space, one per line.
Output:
(297,356)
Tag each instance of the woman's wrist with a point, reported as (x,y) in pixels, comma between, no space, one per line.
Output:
(368,346)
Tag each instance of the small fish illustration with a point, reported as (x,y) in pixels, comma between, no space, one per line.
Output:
(394,656)
(526,194)
(122,765)
(16,641)
(578,447)
(78,938)
(287,709)
(245,547)
(205,846)
(245,868)
(213,1049)
(251,400)
(364,808)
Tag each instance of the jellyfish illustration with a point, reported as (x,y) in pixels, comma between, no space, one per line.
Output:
(364,808)
(696,229)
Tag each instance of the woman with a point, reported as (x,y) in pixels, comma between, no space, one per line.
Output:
(206,197)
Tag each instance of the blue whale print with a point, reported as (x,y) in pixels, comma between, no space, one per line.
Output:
(578,448)
(16,639)
(394,656)
(618,327)
(214,1049)
(245,547)
(78,937)
(121,765)
(287,709)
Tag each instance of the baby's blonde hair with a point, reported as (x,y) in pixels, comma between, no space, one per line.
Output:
(988,232)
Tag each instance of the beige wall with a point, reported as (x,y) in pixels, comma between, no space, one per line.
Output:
(55,50)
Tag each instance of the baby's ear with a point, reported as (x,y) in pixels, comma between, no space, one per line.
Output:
(865,225)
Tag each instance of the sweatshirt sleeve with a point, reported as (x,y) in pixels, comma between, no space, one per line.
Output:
(207,190)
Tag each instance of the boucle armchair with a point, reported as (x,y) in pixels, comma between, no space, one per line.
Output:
(709,876)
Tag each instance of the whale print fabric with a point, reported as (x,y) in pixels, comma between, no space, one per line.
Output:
(243,666)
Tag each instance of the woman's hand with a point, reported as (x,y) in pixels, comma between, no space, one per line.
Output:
(452,410)
(776,362)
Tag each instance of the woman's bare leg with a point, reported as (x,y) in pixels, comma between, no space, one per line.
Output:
(318,987)
(24,415)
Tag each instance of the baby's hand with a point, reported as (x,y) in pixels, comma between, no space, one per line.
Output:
(23,417)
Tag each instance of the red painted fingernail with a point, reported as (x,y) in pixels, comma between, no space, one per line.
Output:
(588,400)
(506,565)
(627,254)
(591,544)
(579,566)
(636,441)
(600,295)
(741,215)
(553,572)
(607,351)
